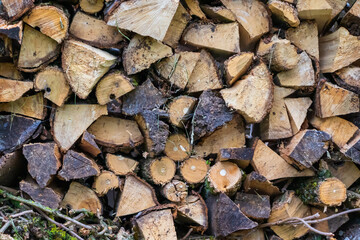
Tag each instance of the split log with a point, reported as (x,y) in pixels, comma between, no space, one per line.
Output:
(175,191)
(44,161)
(9,70)
(239,156)
(105,182)
(256,87)
(12,30)
(248,11)
(116,134)
(12,165)
(194,8)
(12,10)
(218,13)
(136,196)
(351,20)
(224,177)
(142,52)
(256,183)
(84,66)
(121,165)
(70,121)
(77,165)
(12,90)
(52,21)
(180,110)
(284,12)
(236,66)
(37,50)
(332,100)
(204,75)
(91,6)
(177,147)
(78,197)
(352,148)
(349,78)
(159,171)
(297,109)
(272,166)
(347,172)
(53,81)
(220,38)
(337,6)
(88,144)
(254,206)
(225,217)
(288,206)
(320,11)
(113,85)
(194,170)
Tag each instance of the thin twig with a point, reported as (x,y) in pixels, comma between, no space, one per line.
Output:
(314,229)
(287,221)
(21,213)
(78,218)
(334,215)
(6,225)
(188,234)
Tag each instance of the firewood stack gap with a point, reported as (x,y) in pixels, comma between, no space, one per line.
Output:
(181,119)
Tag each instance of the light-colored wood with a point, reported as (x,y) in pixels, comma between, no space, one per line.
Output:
(105,182)
(347,173)
(338,49)
(177,69)
(252,96)
(272,166)
(12,90)
(220,38)
(146,17)
(71,121)
(194,8)
(337,6)
(113,85)
(16,8)
(88,144)
(32,106)
(53,81)
(91,6)
(319,10)
(204,75)
(349,78)
(256,183)
(175,191)
(120,165)
(78,197)
(84,66)
(136,196)
(142,52)
(51,20)
(297,110)
(193,210)
(180,109)
(219,13)
(177,147)
(159,171)
(9,70)
(253,18)
(284,12)
(236,66)
(194,170)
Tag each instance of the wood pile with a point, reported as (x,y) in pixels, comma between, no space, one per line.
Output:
(189,119)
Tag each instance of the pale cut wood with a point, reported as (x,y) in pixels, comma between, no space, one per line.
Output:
(272,166)
(237,65)
(105,182)
(219,13)
(84,66)
(337,6)
(9,70)
(71,120)
(121,165)
(177,147)
(142,52)
(347,173)
(256,183)
(338,49)
(252,96)
(297,110)
(284,12)
(14,9)
(12,90)
(319,10)
(159,171)
(53,81)
(194,8)
(136,196)
(221,38)
(91,6)
(194,170)
(180,109)
(146,17)
(349,78)
(175,191)
(51,20)
(32,106)
(78,197)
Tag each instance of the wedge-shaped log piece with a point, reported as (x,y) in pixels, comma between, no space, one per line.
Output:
(12,30)
(221,38)
(12,90)
(175,191)
(349,78)
(177,147)
(225,216)
(159,171)
(194,170)
(84,66)
(105,182)
(320,11)
(205,75)
(77,165)
(88,144)
(332,100)
(239,156)
(91,6)
(71,120)
(78,197)
(37,50)
(297,110)
(218,13)
(236,66)
(136,196)
(146,17)
(347,172)
(13,10)
(116,133)
(351,19)
(53,81)
(256,183)
(121,165)
(194,8)
(254,20)
(51,20)
(32,106)
(9,70)
(43,161)
(272,166)
(12,166)
(252,96)
(285,12)
(337,6)
(254,206)
(338,49)
(180,110)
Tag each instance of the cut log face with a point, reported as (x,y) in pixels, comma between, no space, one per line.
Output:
(15,9)
(221,38)
(285,12)
(12,31)
(136,196)
(120,165)
(320,11)
(77,165)
(84,66)
(159,171)
(239,156)
(43,161)
(256,183)
(256,87)
(237,65)
(338,49)
(53,81)
(51,20)
(177,147)
(349,78)
(297,111)
(12,90)
(12,165)
(254,206)
(71,121)
(194,170)
(347,173)
(175,191)
(105,182)
(130,15)
(142,52)
(332,100)
(180,110)
(90,6)
(9,70)
(194,8)
(193,210)
(78,197)
(218,13)
(351,19)
(88,144)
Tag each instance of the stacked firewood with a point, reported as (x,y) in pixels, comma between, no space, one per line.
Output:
(228,118)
